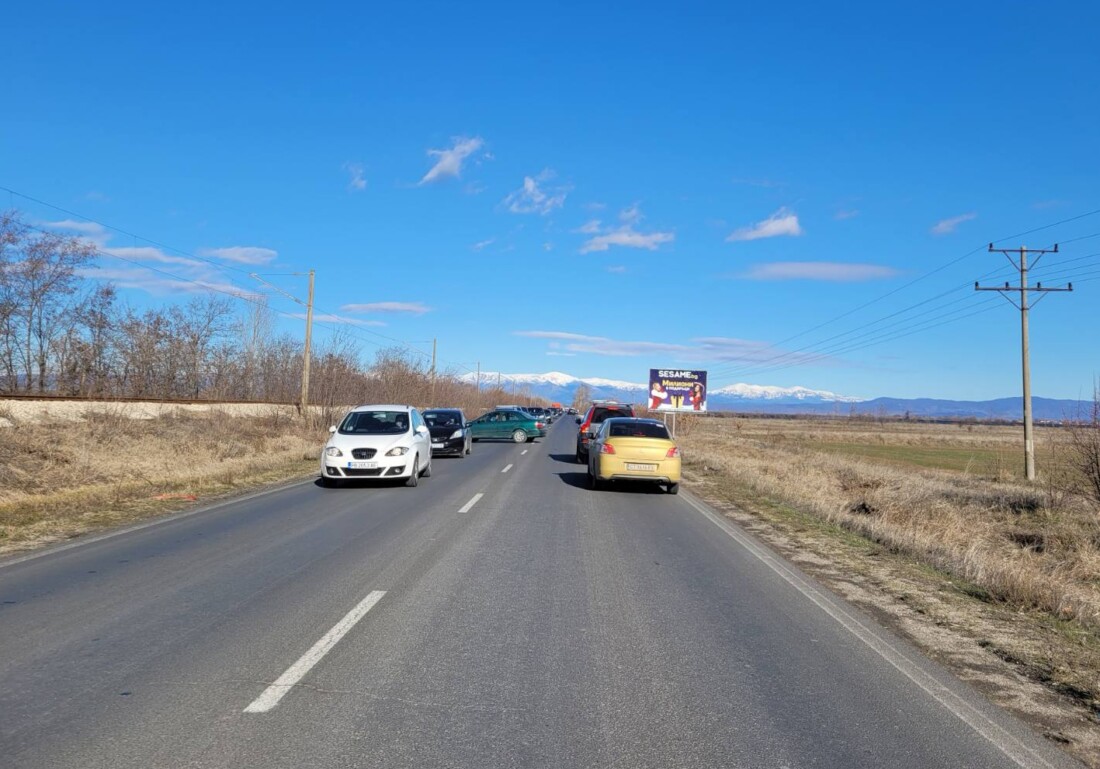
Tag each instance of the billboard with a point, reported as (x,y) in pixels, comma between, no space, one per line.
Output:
(677,390)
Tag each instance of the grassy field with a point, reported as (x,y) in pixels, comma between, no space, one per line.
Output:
(103,467)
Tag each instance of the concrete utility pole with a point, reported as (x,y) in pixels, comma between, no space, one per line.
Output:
(1023,307)
(433,371)
(306,355)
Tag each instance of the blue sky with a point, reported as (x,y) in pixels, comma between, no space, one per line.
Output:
(760,191)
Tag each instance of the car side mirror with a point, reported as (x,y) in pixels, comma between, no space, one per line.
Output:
(422,430)
(332,429)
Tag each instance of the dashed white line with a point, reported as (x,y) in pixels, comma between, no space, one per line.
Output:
(523,452)
(272,694)
(509,467)
(469,505)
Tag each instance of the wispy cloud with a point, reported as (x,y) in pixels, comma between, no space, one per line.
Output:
(562,354)
(782,222)
(145,279)
(414,308)
(839,272)
(532,198)
(617,269)
(97,197)
(327,317)
(449,162)
(482,244)
(625,235)
(841,215)
(948,226)
(251,255)
(700,349)
(356,181)
(591,227)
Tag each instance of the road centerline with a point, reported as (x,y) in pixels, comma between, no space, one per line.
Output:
(469,505)
(523,452)
(284,683)
(506,469)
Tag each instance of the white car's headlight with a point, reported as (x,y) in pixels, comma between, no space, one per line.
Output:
(397,451)
(456,434)
(333,451)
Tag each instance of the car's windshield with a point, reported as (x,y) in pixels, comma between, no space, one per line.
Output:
(442,418)
(375,423)
(637,430)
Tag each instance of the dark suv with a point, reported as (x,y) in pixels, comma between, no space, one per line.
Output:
(590,424)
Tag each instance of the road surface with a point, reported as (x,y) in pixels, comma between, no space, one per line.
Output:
(499,615)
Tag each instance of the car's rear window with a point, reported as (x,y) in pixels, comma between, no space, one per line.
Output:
(600,413)
(375,423)
(638,430)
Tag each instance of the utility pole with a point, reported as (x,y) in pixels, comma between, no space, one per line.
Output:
(306,355)
(479,377)
(1021,265)
(433,371)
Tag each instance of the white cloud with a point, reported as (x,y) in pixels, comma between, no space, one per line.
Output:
(624,235)
(840,216)
(947,226)
(92,232)
(617,269)
(840,272)
(414,308)
(253,255)
(562,354)
(326,317)
(533,199)
(591,227)
(782,222)
(450,160)
(356,180)
(482,244)
(700,349)
(145,279)
(151,254)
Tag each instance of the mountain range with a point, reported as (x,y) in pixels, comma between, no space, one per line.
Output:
(556,386)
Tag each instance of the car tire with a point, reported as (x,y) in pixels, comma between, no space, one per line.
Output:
(581,459)
(519,437)
(673,488)
(414,476)
(427,470)
(469,449)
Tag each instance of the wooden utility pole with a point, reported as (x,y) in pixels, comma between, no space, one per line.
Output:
(306,354)
(433,371)
(1023,306)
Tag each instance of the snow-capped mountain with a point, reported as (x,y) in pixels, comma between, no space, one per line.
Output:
(557,386)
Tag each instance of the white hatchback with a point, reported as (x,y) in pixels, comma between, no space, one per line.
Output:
(385,441)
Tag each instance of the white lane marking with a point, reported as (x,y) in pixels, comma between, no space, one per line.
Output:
(523,452)
(509,467)
(469,505)
(1017,750)
(272,694)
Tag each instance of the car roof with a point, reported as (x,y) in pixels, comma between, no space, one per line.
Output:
(384,407)
(634,419)
(443,408)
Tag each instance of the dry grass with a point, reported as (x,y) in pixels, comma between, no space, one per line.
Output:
(947,496)
(62,478)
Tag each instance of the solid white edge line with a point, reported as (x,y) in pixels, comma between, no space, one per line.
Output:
(469,505)
(506,469)
(283,684)
(1014,748)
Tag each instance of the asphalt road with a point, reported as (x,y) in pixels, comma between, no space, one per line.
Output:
(544,625)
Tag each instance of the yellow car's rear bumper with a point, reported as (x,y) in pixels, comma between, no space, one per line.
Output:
(612,468)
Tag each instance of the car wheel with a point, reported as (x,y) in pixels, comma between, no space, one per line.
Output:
(428,470)
(414,476)
(673,488)
(468,449)
(581,459)
(519,436)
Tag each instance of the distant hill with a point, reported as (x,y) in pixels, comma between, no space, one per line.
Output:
(560,387)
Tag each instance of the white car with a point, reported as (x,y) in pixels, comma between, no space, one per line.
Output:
(385,441)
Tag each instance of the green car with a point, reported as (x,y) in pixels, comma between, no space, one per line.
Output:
(506,424)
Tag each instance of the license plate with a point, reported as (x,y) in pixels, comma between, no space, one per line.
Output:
(635,466)
(437,444)
(362,465)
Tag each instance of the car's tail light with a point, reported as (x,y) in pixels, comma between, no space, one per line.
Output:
(673,453)
(607,448)
(539,425)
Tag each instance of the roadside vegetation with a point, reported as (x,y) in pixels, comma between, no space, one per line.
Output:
(934,519)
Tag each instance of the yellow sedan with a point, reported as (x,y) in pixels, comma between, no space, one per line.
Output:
(634,450)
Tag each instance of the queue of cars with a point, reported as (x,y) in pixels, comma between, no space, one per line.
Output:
(393,441)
